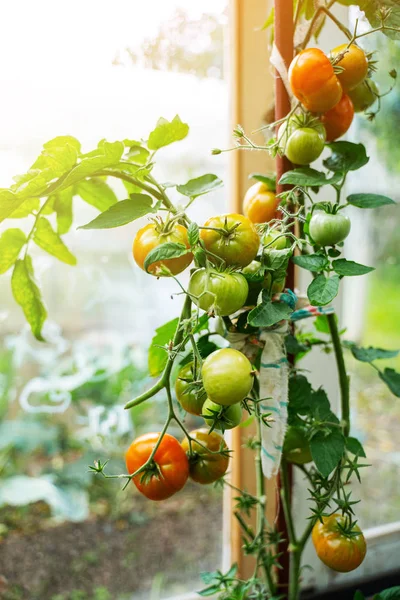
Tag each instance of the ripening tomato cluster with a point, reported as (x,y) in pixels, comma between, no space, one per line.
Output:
(331,89)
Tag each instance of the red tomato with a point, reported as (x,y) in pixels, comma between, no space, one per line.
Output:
(313,80)
(169,470)
(337,120)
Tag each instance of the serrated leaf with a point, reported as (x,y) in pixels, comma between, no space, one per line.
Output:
(327,450)
(392,380)
(321,407)
(193,234)
(27,208)
(166,132)
(372,12)
(349,268)
(199,186)
(270,181)
(346,156)
(138,154)
(96,192)
(58,156)
(307,177)
(392,593)
(63,208)
(11,243)
(123,212)
(355,447)
(300,392)
(323,290)
(311,262)
(370,354)
(165,251)
(358,595)
(106,155)
(369,200)
(268,313)
(9,203)
(157,357)
(27,295)
(45,237)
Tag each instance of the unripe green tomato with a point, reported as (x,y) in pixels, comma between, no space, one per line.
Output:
(189,397)
(221,417)
(224,293)
(327,229)
(296,447)
(304,146)
(275,239)
(364,95)
(227,376)
(278,286)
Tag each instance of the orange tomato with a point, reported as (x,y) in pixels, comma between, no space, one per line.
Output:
(313,80)
(354,64)
(259,203)
(206,467)
(336,550)
(151,236)
(337,120)
(169,470)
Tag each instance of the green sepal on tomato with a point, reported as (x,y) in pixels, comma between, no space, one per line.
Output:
(221,417)
(220,292)
(189,391)
(232,240)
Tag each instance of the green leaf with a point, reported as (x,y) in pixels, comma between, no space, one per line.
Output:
(199,186)
(193,234)
(321,407)
(63,208)
(27,208)
(321,324)
(166,132)
(327,450)
(58,156)
(123,212)
(307,177)
(28,296)
(11,243)
(270,20)
(370,354)
(323,290)
(368,200)
(138,154)
(392,380)
(349,268)
(346,156)
(355,447)
(358,595)
(96,192)
(106,155)
(372,12)
(9,203)
(311,262)
(269,180)
(300,392)
(268,313)
(210,591)
(165,251)
(294,347)
(45,237)
(157,358)
(392,593)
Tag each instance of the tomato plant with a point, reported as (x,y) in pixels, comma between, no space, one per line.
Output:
(260,203)
(221,417)
(340,547)
(329,229)
(222,293)
(227,376)
(232,238)
(166,472)
(338,120)
(209,459)
(153,235)
(189,390)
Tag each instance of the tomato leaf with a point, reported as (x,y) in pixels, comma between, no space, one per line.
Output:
(9,203)
(327,450)
(307,177)
(122,212)
(321,407)
(372,10)
(28,296)
(11,243)
(358,595)
(370,354)
(349,268)
(392,593)
(96,192)
(300,391)
(392,380)
(166,132)
(346,156)
(63,207)
(268,313)
(323,290)
(164,251)
(368,200)
(355,447)
(45,237)
(27,208)
(193,234)
(199,186)
(269,180)
(294,347)
(311,262)
(157,357)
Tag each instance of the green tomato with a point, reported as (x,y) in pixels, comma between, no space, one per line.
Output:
(221,417)
(296,447)
(190,395)
(275,239)
(278,286)
(227,376)
(223,293)
(364,95)
(327,229)
(304,146)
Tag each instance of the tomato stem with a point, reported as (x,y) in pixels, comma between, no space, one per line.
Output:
(343,376)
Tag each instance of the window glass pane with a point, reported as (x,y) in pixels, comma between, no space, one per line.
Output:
(105,71)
